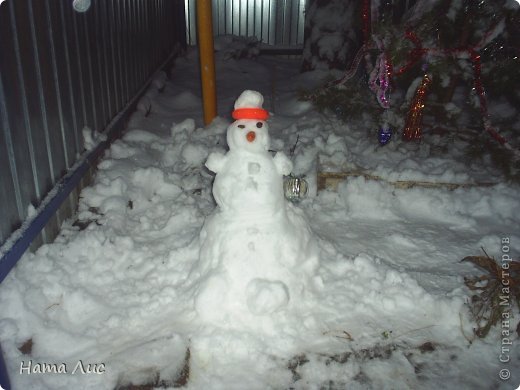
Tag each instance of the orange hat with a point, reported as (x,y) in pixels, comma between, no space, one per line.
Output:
(250,113)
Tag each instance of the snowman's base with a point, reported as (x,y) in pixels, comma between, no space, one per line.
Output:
(255,270)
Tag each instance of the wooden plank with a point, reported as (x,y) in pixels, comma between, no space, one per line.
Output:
(331,180)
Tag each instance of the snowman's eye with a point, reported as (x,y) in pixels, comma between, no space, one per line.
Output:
(259,124)
(241,126)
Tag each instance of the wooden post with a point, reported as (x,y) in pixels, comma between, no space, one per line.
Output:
(207,59)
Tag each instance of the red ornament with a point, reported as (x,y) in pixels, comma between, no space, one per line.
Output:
(413,126)
(477,70)
(367,19)
(413,123)
(472,52)
(415,55)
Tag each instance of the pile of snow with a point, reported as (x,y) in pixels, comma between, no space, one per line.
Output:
(257,257)
(234,46)
(359,288)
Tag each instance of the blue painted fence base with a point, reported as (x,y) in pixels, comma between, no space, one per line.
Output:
(4,377)
(62,190)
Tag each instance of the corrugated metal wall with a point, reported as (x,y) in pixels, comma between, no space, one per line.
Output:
(274,22)
(60,71)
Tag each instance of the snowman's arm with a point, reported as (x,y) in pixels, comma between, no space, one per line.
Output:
(283,165)
(216,161)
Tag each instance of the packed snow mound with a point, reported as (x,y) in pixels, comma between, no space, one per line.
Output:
(248,268)
(237,47)
(258,255)
(384,307)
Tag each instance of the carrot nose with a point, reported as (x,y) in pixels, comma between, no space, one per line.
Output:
(251,136)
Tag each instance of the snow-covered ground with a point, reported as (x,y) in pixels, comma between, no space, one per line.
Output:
(388,308)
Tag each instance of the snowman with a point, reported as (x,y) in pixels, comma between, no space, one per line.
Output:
(257,257)
(248,179)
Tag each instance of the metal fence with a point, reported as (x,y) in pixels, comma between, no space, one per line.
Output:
(62,71)
(274,22)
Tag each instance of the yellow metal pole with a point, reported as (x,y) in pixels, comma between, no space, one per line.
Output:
(207,59)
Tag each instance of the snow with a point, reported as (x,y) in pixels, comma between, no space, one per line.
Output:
(257,256)
(249,99)
(234,46)
(91,139)
(455,7)
(81,5)
(159,80)
(360,288)
(330,32)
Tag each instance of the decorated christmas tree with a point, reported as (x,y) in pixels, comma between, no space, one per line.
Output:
(449,68)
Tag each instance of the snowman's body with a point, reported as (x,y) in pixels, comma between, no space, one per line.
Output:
(257,253)
(249,183)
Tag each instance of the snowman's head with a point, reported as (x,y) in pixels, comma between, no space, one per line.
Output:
(250,131)
(248,134)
